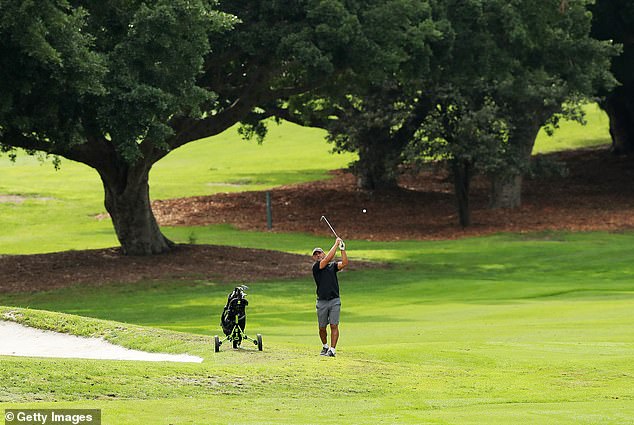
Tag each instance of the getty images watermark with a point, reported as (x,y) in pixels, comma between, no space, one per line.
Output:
(52,416)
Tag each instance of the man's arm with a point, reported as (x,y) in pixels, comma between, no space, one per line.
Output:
(331,254)
(344,259)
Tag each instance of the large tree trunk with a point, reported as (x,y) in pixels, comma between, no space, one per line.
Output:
(506,187)
(372,173)
(506,191)
(127,200)
(378,161)
(462,173)
(619,105)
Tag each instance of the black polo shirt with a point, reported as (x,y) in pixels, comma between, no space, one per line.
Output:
(326,280)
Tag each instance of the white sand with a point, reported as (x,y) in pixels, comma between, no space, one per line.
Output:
(19,340)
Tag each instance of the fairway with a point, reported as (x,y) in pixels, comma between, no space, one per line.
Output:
(503,329)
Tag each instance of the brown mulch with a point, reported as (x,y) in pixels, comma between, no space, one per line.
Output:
(597,194)
(39,272)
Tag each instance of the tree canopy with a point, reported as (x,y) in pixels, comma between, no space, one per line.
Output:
(507,68)
(535,59)
(117,85)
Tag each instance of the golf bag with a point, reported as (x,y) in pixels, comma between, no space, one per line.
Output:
(235,311)
(234,320)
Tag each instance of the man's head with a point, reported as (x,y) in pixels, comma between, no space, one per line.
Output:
(318,254)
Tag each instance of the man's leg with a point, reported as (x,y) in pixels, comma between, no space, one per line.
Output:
(322,319)
(333,319)
(334,335)
(323,335)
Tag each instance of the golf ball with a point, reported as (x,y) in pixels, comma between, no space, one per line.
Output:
(365,211)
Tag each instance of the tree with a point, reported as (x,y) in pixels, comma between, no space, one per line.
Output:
(46,64)
(511,66)
(381,117)
(376,113)
(104,84)
(118,85)
(378,126)
(465,131)
(533,59)
(614,20)
(544,62)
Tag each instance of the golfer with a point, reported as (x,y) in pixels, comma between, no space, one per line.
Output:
(328,302)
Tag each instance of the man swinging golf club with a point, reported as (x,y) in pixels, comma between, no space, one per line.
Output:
(328,302)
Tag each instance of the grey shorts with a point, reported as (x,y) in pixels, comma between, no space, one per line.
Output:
(328,311)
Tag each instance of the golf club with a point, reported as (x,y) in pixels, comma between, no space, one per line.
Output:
(323,217)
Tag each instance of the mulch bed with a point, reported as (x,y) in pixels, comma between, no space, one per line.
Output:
(595,195)
(101,266)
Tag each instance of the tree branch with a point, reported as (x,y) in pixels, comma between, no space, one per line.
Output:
(92,152)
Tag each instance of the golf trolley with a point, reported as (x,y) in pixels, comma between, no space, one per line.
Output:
(234,319)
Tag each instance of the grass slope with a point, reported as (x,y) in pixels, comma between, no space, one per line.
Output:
(503,329)
(572,135)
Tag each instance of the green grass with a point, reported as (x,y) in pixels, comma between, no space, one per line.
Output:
(503,329)
(572,135)
(226,163)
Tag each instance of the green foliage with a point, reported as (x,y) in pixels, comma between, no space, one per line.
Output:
(48,69)
(531,57)
(154,68)
(554,59)
(533,61)
(457,130)
(93,69)
(369,110)
(614,20)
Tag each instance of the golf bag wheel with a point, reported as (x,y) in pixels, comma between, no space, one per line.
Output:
(216,344)
(259,342)
(236,343)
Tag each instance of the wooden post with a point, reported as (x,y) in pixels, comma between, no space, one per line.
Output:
(269,215)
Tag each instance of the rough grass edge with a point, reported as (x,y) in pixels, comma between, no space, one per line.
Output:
(129,336)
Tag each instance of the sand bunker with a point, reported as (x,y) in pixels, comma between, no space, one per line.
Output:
(19,340)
